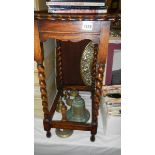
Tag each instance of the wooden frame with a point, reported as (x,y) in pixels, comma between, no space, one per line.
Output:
(111,49)
(70,27)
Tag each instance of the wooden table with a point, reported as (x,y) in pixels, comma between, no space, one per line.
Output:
(73,28)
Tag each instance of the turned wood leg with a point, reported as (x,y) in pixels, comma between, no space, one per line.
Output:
(92,137)
(47,127)
(96,100)
(94,121)
(94,66)
(93,133)
(48,134)
(46,121)
(59,77)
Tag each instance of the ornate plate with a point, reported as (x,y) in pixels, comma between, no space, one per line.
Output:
(86,63)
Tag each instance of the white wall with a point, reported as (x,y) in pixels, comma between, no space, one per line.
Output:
(40,5)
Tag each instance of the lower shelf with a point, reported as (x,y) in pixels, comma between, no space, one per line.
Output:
(67,124)
(71,125)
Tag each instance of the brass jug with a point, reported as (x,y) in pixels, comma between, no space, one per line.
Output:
(63,133)
(78,112)
(59,105)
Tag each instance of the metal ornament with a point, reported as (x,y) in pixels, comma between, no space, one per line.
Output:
(78,112)
(59,105)
(72,95)
(65,95)
(63,133)
(86,63)
(69,101)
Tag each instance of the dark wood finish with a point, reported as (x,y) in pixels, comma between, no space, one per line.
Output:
(70,28)
(71,55)
(48,134)
(94,67)
(59,77)
(43,15)
(56,27)
(98,92)
(69,36)
(71,125)
(41,76)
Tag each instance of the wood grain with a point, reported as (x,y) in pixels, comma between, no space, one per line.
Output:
(38,56)
(103,45)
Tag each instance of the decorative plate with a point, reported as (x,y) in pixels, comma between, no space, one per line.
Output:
(86,64)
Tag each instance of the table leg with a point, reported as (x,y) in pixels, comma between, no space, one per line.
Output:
(41,76)
(59,77)
(38,56)
(96,100)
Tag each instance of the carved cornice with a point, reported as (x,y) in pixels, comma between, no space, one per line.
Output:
(75,17)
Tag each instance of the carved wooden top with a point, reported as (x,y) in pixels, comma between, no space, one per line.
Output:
(41,15)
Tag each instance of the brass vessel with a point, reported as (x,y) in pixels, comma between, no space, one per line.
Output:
(59,105)
(71,96)
(78,112)
(63,133)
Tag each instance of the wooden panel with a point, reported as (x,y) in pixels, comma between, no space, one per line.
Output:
(69,27)
(38,57)
(71,56)
(74,37)
(104,40)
